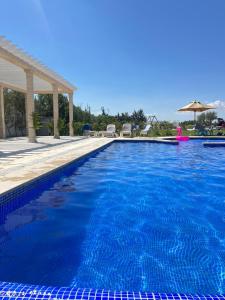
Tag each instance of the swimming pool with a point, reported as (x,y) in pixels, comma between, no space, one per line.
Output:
(135,216)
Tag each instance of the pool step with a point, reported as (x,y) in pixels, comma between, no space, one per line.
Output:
(214,144)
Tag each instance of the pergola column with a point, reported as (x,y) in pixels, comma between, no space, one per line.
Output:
(2,114)
(71,114)
(55,111)
(30,106)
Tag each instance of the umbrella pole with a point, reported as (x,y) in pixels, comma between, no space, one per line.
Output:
(195,116)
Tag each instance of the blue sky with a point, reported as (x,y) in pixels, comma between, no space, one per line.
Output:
(127,54)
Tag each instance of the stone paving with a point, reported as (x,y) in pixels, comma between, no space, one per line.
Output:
(20,145)
(21,161)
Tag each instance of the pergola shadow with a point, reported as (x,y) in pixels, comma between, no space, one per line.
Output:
(46,146)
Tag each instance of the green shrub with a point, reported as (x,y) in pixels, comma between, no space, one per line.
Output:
(63,127)
(154,132)
(189,133)
(36,121)
(189,126)
(78,128)
(161,132)
(166,132)
(100,126)
(50,127)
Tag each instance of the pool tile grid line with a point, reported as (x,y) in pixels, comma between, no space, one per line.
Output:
(15,291)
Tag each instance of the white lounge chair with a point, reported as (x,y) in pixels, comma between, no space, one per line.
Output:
(126,130)
(110,131)
(146,129)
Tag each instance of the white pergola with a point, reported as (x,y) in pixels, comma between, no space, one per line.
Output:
(21,72)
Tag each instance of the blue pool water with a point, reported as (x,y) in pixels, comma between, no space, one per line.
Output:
(135,216)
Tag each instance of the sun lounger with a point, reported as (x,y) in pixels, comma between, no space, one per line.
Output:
(110,131)
(126,130)
(145,130)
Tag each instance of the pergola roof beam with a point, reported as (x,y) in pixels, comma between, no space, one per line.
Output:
(18,57)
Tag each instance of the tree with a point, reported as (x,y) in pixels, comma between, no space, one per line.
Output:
(43,116)
(138,117)
(123,117)
(210,116)
(64,108)
(165,125)
(205,119)
(15,113)
(103,111)
(187,124)
(44,105)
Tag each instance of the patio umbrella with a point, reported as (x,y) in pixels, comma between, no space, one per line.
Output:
(196,106)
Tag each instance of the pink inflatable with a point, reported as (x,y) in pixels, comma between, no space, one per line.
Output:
(179,136)
(182,138)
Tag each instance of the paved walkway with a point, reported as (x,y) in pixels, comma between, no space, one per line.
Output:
(21,161)
(19,145)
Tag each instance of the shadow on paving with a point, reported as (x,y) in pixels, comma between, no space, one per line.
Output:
(46,146)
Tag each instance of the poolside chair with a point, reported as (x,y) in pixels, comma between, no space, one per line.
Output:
(146,129)
(86,129)
(110,131)
(126,130)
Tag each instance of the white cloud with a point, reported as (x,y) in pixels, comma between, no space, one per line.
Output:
(218,104)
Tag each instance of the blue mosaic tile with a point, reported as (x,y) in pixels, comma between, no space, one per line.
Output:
(11,291)
(12,199)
